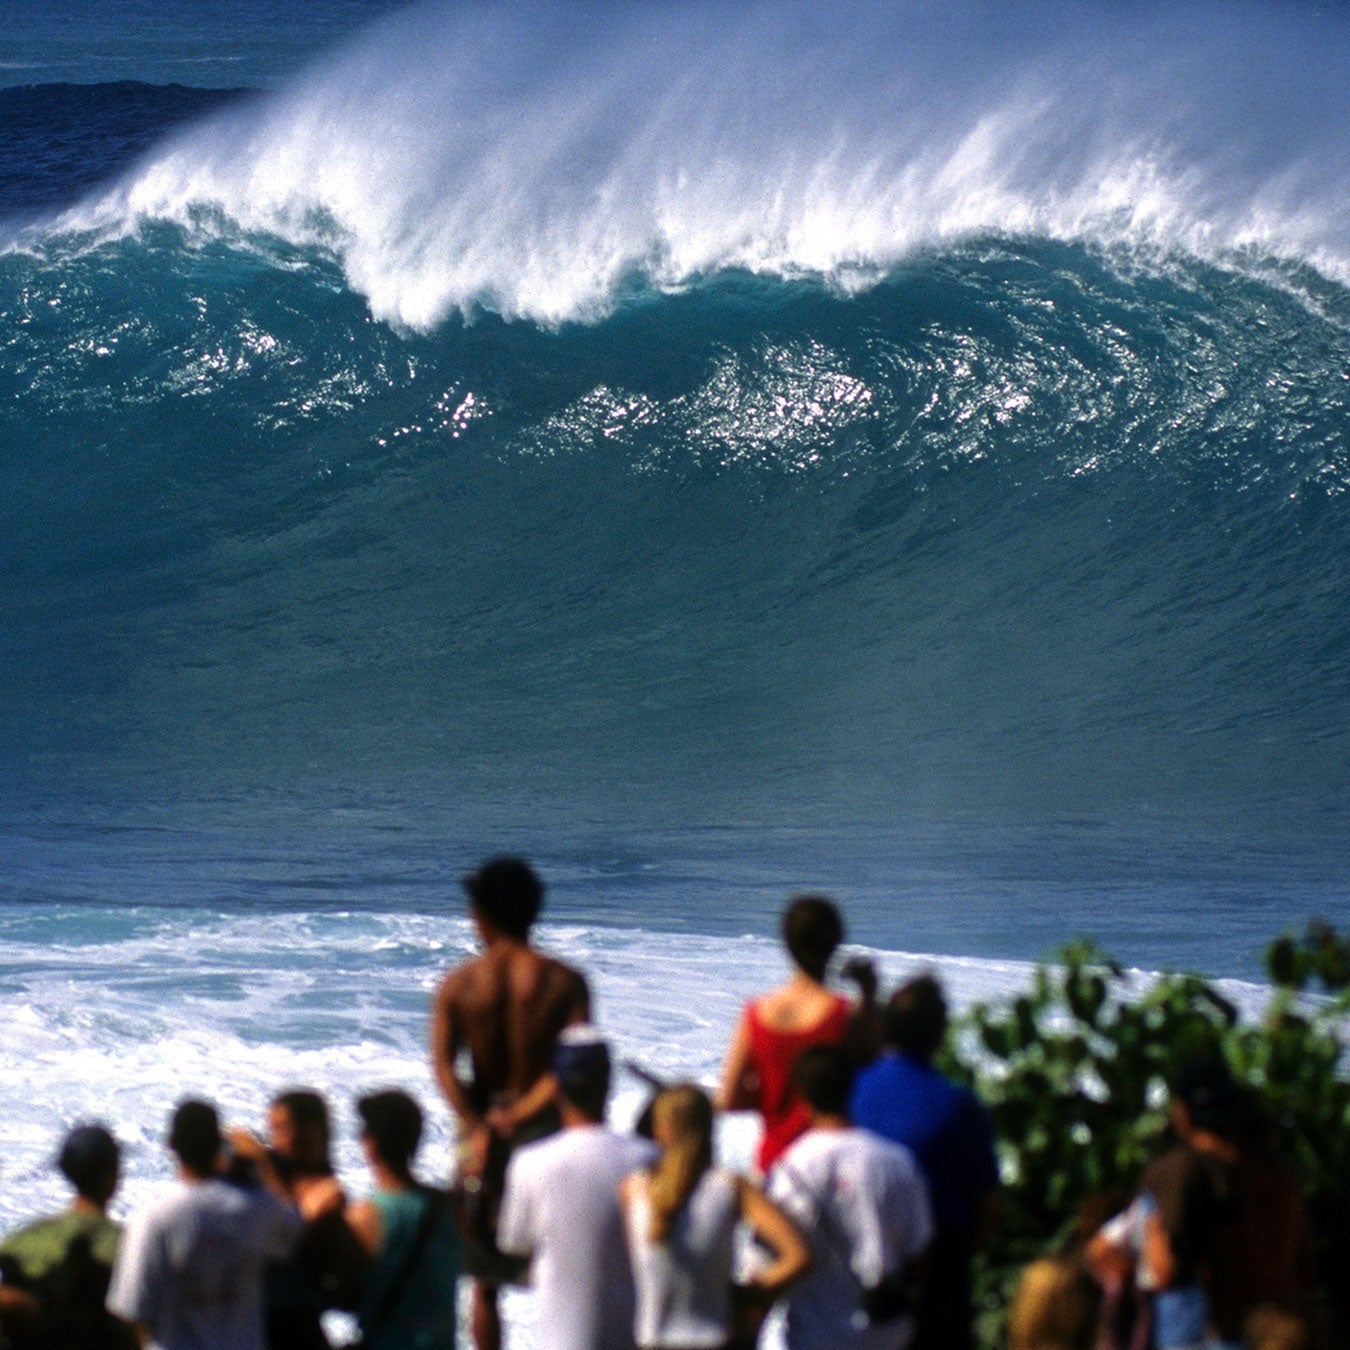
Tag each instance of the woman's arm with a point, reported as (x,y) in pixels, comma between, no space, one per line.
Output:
(769,1223)
(738,1088)
(1158,1255)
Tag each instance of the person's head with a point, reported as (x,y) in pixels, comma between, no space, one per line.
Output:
(823,1078)
(1209,1098)
(90,1160)
(916,1018)
(1270,1328)
(581,1066)
(507,894)
(194,1136)
(1055,1307)
(812,930)
(682,1125)
(297,1125)
(391,1126)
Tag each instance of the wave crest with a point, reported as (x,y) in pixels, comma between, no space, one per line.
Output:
(497,157)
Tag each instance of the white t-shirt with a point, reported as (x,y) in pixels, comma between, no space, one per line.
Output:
(561,1208)
(190,1266)
(863,1204)
(683,1284)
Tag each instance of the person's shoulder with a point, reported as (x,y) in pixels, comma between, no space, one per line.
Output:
(558,974)
(213,1196)
(35,1227)
(1173,1164)
(880,1076)
(604,1139)
(807,1149)
(539,1157)
(38,1237)
(596,1148)
(723,1180)
(220,1197)
(842,1004)
(464,977)
(167,1202)
(879,1151)
(637,1151)
(961,1103)
(259,1200)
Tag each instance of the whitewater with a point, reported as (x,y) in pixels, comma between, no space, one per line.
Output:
(715,450)
(519,160)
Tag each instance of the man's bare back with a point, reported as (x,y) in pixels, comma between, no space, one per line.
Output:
(506,1007)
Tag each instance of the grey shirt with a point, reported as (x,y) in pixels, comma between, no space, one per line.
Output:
(190,1266)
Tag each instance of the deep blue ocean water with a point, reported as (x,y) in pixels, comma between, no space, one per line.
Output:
(716,449)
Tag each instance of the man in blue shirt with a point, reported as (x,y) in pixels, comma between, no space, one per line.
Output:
(902,1097)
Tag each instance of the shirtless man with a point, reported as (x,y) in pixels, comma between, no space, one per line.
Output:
(506,1008)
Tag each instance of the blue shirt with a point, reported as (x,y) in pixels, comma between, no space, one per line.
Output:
(942,1124)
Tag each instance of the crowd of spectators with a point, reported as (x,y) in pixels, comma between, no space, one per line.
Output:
(877,1186)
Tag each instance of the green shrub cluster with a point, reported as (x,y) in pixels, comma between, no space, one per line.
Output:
(1074,1073)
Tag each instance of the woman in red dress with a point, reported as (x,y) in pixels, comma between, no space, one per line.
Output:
(776,1027)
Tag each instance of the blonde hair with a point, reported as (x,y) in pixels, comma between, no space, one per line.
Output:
(1268,1328)
(1054,1308)
(684,1115)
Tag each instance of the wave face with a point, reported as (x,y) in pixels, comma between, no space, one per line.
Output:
(958,428)
(1010,531)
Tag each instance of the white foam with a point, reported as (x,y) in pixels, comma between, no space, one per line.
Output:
(507,157)
(236,1008)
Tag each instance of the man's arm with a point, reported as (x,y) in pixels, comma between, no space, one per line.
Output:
(245,1144)
(446,1042)
(865,1035)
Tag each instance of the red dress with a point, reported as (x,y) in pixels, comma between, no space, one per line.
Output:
(772,1055)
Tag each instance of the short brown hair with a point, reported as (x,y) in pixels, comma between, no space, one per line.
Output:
(916,1017)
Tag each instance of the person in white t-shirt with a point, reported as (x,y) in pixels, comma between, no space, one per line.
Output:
(863,1204)
(561,1208)
(189,1270)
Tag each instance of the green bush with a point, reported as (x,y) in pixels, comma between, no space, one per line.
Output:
(1074,1073)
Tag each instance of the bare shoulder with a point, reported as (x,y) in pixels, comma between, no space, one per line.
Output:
(562,972)
(463,981)
(563,983)
(363,1218)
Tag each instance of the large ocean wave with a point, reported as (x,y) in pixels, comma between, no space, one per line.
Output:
(712,449)
(1014,530)
(958,430)
(520,159)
